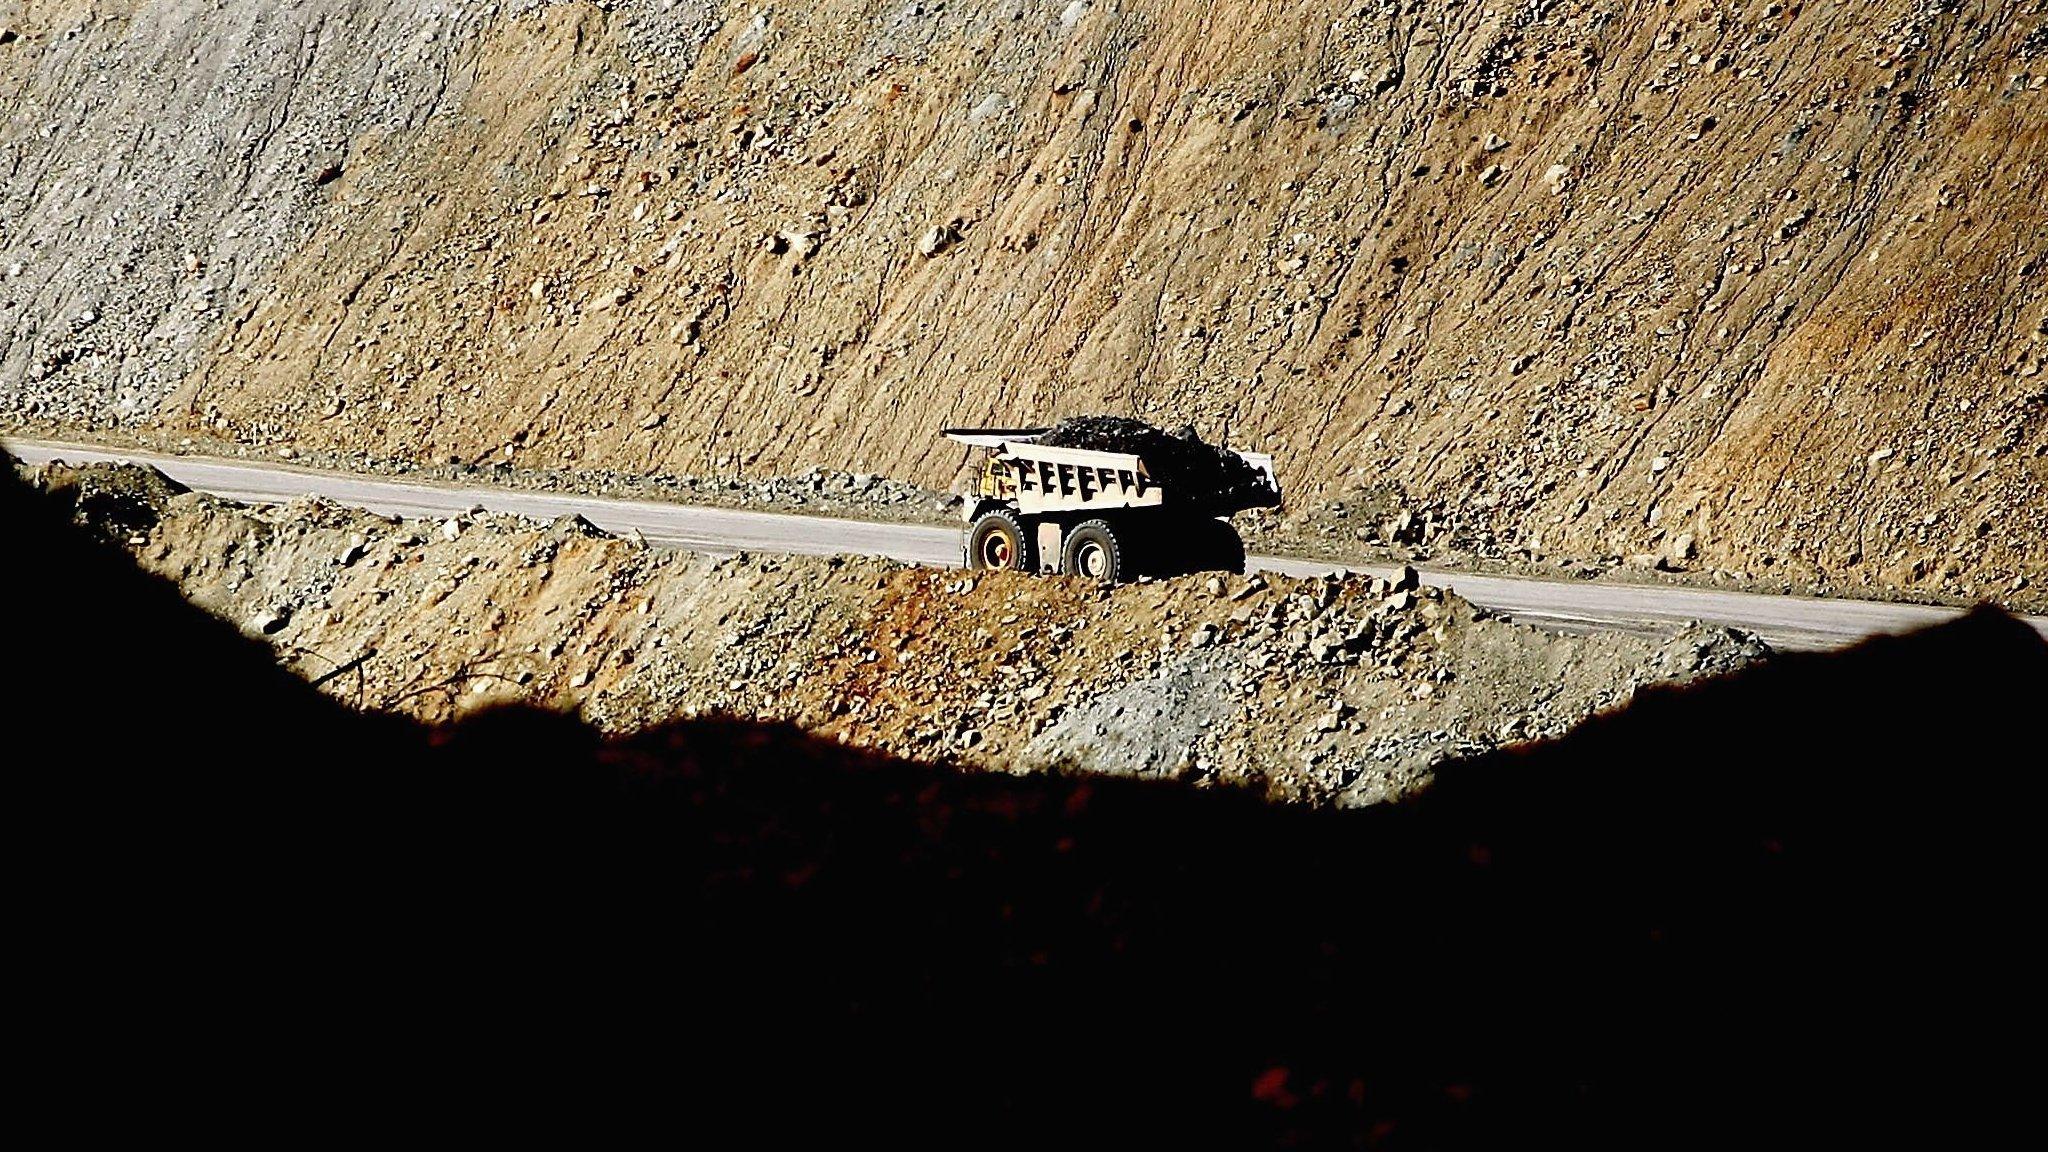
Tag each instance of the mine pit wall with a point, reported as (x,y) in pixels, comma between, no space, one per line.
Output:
(1757,288)
(1320,691)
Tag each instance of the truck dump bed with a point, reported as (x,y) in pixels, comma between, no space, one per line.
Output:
(1044,478)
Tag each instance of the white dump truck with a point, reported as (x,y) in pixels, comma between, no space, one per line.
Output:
(1106,514)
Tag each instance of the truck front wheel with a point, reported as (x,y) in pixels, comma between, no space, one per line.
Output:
(998,540)
(1093,550)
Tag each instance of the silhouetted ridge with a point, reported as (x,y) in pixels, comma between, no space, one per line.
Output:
(1782,908)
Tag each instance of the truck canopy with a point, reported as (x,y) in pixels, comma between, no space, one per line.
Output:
(991,437)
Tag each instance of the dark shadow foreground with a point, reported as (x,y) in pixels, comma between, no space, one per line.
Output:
(1785,908)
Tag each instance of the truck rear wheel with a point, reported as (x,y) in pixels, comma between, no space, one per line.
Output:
(998,540)
(1180,546)
(1223,550)
(1093,550)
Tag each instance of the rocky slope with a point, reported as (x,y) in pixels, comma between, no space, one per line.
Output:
(1756,287)
(1329,691)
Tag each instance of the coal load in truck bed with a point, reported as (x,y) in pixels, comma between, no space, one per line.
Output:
(1198,477)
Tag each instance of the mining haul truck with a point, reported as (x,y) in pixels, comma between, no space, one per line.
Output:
(1104,515)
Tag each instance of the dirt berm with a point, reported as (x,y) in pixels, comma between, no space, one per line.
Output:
(1754,287)
(1776,909)
(1326,691)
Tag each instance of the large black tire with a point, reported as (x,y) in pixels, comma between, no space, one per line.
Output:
(999,539)
(1093,549)
(1182,546)
(1224,551)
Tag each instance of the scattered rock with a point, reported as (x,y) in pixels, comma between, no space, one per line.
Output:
(611,298)
(566,526)
(936,239)
(1400,528)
